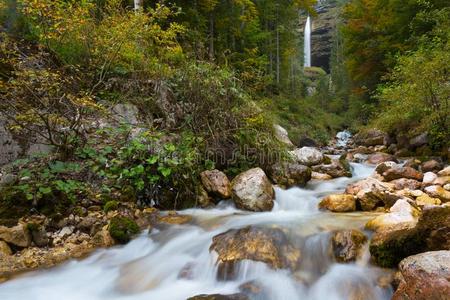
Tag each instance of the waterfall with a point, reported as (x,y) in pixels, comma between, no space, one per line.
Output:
(307,44)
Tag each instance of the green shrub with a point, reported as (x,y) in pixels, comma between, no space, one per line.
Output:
(122,229)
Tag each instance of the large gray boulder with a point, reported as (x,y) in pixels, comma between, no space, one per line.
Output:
(252,190)
(290,174)
(216,183)
(308,156)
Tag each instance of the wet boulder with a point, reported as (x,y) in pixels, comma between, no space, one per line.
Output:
(262,244)
(429,178)
(425,276)
(338,203)
(290,174)
(380,157)
(405,183)
(308,156)
(320,176)
(174,218)
(18,235)
(216,183)
(372,193)
(402,172)
(238,296)
(400,214)
(384,166)
(252,190)
(347,245)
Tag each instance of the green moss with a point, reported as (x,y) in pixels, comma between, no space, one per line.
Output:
(110,205)
(389,252)
(122,229)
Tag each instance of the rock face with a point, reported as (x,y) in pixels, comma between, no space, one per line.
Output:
(290,174)
(216,183)
(252,190)
(347,245)
(267,245)
(338,203)
(426,276)
(282,135)
(308,156)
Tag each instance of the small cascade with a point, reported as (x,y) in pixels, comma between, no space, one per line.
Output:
(307,43)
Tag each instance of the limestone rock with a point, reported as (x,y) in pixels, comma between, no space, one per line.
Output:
(320,176)
(405,183)
(290,174)
(17,235)
(445,171)
(252,190)
(338,203)
(216,183)
(400,214)
(371,137)
(371,193)
(426,276)
(4,249)
(308,156)
(436,191)
(431,166)
(337,168)
(347,245)
(175,219)
(380,157)
(402,172)
(282,135)
(429,178)
(267,245)
(427,200)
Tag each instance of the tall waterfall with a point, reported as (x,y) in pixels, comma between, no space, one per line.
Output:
(307,44)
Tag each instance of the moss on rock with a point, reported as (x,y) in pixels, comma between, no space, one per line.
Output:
(122,229)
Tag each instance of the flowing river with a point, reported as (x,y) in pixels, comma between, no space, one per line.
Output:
(151,267)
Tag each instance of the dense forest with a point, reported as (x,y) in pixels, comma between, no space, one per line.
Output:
(119,114)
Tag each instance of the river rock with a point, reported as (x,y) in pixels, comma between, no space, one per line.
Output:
(216,183)
(17,235)
(267,245)
(371,137)
(384,166)
(437,191)
(405,183)
(175,218)
(371,193)
(420,140)
(431,166)
(4,249)
(308,156)
(429,178)
(402,172)
(347,244)
(338,203)
(282,135)
(39,235)
(380,157)
(425,276)
(445,171)
(290,174)
(252,190)
(400,214)
(337,168)
(320,176)
(424,199)
(432,232)
(238,296)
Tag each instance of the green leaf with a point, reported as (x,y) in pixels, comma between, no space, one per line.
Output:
(45,190)
(152,159)
(165,171)
(170,147)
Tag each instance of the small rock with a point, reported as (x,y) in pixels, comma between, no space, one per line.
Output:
(405,183)
(445,171)
(252,190)
(4,249)
(338,203)
(442,180)
(371,137)
(8,179)
(384,166)
(308,156)
(425,276)
(401,213)
(427,200)
(371,193)
(437,191)
(431,166)
(175,219)
(320,176)
(347,244)
(282,135)
(420,140)
(216,183)
(380,157)
(17,235)
(402,172)
(429,177)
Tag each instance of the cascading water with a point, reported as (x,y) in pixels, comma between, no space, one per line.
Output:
(307,43)
(175,263)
